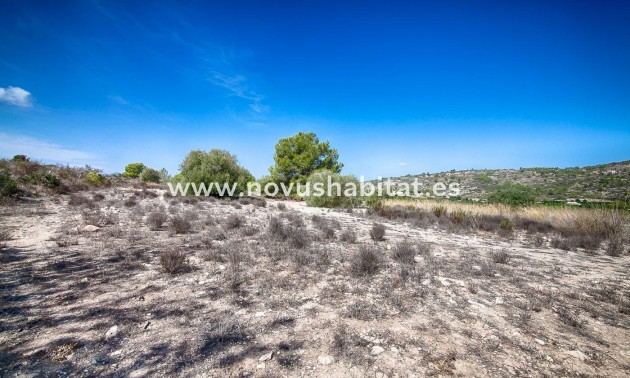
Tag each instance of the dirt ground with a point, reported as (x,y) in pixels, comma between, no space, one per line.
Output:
(83,292)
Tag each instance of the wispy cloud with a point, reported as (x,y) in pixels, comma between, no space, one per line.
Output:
(237,86)
(403,164)
(11,145)
(16,96)
(118,100)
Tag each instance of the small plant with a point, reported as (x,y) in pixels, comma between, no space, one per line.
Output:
(130,202)
(150,175)
(8,187)
(281,206)
(173,262)
(506,224)
(155,220)
(180,225)
(328,233)
(438,211)
(348,236)
(234,221)
(457,216)
(404,253)
(615,246)
(377,233)
(501,257)
(366,261)
(94,178)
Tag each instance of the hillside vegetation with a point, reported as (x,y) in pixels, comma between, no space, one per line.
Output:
(599,182)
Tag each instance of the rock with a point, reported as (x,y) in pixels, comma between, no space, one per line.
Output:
(577,354)
(94,362)
(325,359)
(222,267)
(260,366)
(146,325)
(499,300)
(260,314)
(266,357)
(548,358)
(111,333)
(388,247)
(394,349)
(241,312)
(376,350)
(90,228)
(418,259)
(539,341)
(426,282)
(380,374)
(476,304)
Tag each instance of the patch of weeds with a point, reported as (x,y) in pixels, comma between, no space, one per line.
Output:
(377,233)
(173,261)
(180,225)
(155,220)
(500,257)
(366,261)
(348,236)
(234,221)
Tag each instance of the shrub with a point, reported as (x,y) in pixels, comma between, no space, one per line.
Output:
(404,252)
(348,236)
(150,175)
(80,200)
(366,261)
(20,158)
(133,170)
(8,187)
(180,225)
(438,211)
(501,257)
(234,221)
(506,224)
(173,262)
(341,194)
(215,166)
(615,247)
(457,216)
(513,195)
(94,178)
(377,233)
(155,220)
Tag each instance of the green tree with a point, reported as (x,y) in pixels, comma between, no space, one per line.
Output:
(215,166)
(133,170)
(150,175)
(297,157)
(513,195)
(335,196)
(8,187)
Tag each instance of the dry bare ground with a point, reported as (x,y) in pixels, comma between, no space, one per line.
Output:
(134,283)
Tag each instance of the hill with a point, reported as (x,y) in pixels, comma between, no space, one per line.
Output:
(599,182)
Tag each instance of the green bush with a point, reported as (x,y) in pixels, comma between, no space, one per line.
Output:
(52,180)
(150,175)
(133,170)
(214,167)
(513,195)
(338,198)
(20,158)
(8,187)
(94,178)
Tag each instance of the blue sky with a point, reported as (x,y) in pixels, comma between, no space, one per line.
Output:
(396,87)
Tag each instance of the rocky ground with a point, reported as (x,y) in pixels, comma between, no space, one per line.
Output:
(99,285)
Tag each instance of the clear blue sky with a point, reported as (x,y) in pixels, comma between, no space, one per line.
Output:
(396,87)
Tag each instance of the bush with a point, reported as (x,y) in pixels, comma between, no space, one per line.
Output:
(404,252)
(234,221)
(216,167)
(173,262)
(348,236)
(155,220)
(8,187)
(341,195)
(501,257)
(366,261)
(506,224)
(180,225)
(94,178)
(513,195)
(438,211)
(133,170)
(377,233)
(150,175)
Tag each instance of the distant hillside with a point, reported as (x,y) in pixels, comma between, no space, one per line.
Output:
(600,182)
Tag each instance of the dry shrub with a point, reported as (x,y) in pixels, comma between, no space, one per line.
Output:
(439,210)
(98,197)
(457,216)
(281,206)
(80,200)
(256,201)
(615,246)
(173,262)
(224,330)
(249,231)
(501,257)
(348,236)
(234,221)
(377,233)
(404,252)
(294,218)
(180,225)
(363,310)
(155,220)
(130,202)
(366,261)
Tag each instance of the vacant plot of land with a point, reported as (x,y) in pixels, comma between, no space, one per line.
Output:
(131,282)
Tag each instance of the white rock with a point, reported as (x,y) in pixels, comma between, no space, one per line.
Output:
(260,366)
(241,312)
(325,359)
(499,300)
(260,314)
(376,350)
(90,228)
(394,349)
(388,247)
(418,259)
(548,358)
(266,357)
(426,282)
(221,267)
(112,332)
(577,354)
(539,341)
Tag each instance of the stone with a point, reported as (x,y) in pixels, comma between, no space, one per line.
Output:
(426,282)
(241,312)
(90,228)
(577,354)
(111,333)
(325,359)
(260,366)
(499,300)
(418,259)
(376,350)
(539,341)
(260,314)
(266,357)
